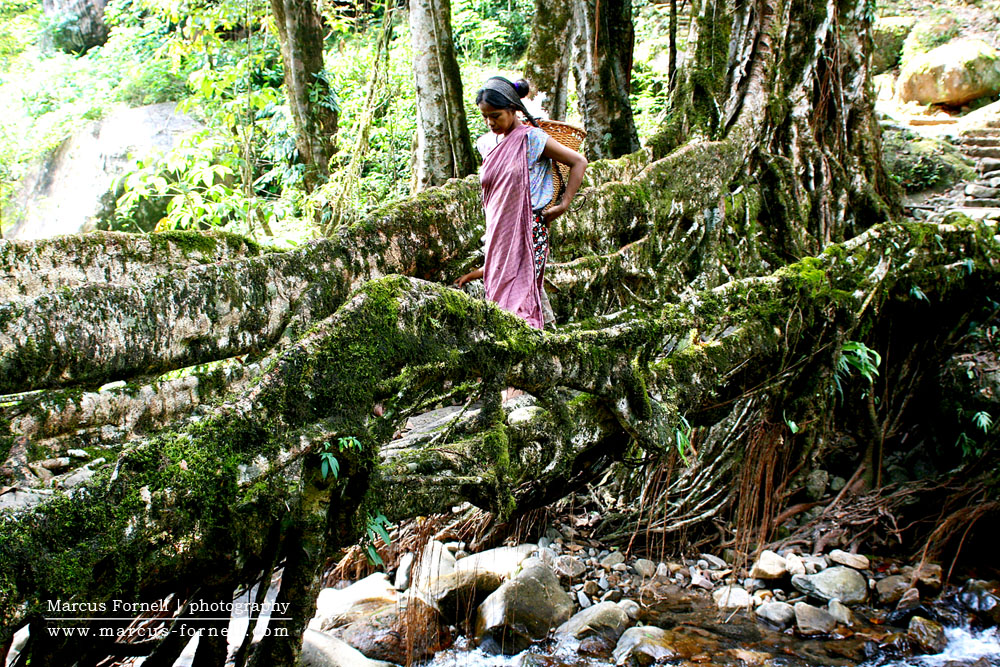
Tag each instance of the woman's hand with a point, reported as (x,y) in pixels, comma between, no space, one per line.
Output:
(468,277)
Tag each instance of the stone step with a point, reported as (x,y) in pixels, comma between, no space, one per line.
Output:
(981,132)
(982,203)
(980,141)
(977,191)
(978,212)
(988,165)
(982,151)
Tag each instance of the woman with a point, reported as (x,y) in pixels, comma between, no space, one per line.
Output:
(517,186)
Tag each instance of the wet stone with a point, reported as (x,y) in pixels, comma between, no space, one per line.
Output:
(891,588)
(731,597)
(605,619)
(841,612)
(644,645)
(778,614)
(926,636)
(812,620)
(834,583)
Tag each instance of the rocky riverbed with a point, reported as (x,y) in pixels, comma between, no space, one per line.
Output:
(561,603)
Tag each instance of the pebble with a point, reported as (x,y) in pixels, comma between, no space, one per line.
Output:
(591,588)
(569,567)
(699,580)
(582,598)
(714,562)
(779,614)
(612,559)
(731,597)
(603,582)
(645,568)
(769,565)
(614,595)
(794,564)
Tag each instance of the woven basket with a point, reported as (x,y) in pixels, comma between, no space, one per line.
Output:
(569,136)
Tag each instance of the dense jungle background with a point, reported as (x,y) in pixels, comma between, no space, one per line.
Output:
(230,355)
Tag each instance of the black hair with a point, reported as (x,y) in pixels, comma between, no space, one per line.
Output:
(498,100)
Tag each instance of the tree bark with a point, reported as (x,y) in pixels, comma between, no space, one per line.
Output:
(603,37)
(548,59)
(312,102)
(442,146)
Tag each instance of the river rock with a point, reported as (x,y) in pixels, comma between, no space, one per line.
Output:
(926,636)
(814,564)
(403,570)
(435,561)
(841,612)
(523,610)
(322,650)
(398,633)
(834,583)
(612,559)
(954,73)
(569,567)
(630,607)
(458,592)
(779,614)
(891,588)
(606,619)
(714,562)
(928,577)
(731,597)
(794,564)
(846,559)
(644,645)
(337,607)
(812,620)
(981,597)
(769,566)
(644,567)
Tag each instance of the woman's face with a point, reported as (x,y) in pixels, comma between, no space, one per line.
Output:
(500,121)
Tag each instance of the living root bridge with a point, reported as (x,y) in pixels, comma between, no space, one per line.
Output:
(212,498)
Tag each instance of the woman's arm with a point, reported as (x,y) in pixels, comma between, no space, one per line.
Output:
(577,165)
(470,276)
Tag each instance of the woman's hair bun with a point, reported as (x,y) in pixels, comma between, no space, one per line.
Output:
(522,87)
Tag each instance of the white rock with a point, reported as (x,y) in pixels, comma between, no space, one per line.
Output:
(769,566)
(856,561)
(794,564)
(731,597)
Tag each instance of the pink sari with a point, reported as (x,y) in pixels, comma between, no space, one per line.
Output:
(509,272)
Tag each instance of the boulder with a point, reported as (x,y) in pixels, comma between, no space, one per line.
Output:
(890,589)
(523,610)
(834,583)
(644,645)
(810,620)
(846,559)
(408,632)
(926,636)
(471,579)
(779,614)
(338,607)
(68,191)
(954,73)
(435,561)
(605,619)
(769,566)
(888,36)
(321,650)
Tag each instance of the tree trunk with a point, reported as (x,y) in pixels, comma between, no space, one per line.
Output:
(312,102)
(548,60)
(603,38)
(442,147)
(678,298)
